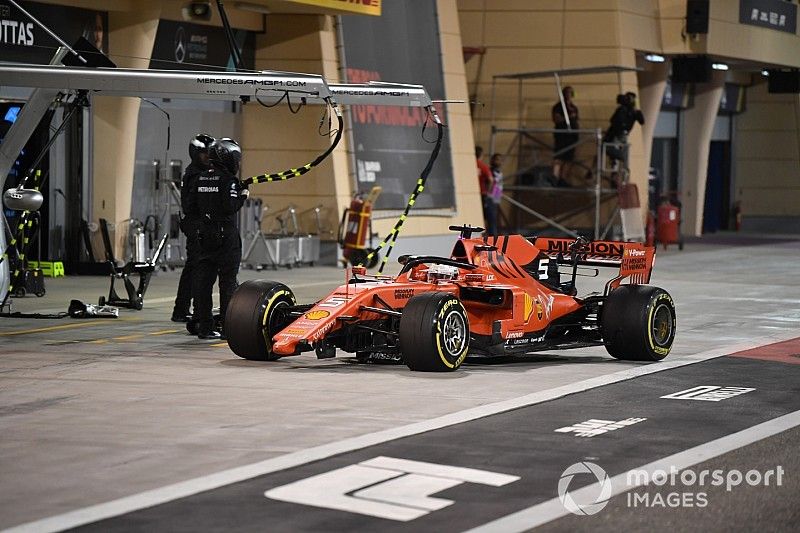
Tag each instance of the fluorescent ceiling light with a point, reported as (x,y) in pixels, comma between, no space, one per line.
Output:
(719,66)
(655,58)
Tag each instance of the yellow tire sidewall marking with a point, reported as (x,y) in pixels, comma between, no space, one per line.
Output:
(441,316)
(653,306)
(267,308)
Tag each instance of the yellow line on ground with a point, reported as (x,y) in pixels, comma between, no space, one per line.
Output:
(219,345)
(165,332)
(98,341)
(53,328)
(127,337)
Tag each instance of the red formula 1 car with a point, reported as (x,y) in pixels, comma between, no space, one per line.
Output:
(497,296)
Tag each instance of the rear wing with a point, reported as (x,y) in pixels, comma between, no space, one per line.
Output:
(634,259)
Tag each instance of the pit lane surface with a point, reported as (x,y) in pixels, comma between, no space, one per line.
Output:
(523,448)
(96,412)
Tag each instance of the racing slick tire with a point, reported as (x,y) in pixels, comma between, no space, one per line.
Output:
(254,316)
(434,332)
(638,323)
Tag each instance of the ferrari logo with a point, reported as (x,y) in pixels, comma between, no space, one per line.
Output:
(539,309)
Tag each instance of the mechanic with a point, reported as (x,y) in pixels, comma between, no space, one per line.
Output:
(216,197)
(198,152)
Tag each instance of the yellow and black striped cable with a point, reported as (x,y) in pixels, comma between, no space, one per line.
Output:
(24,222)
(295,172)
(389,241)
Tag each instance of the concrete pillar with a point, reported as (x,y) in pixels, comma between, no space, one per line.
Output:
(274,139)
(115,120)
(639,154)
(697,125)
(652,83)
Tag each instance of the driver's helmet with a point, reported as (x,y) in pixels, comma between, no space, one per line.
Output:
(227,153)
(199,145)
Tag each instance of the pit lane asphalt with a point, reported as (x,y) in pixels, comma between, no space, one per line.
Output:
(111,409)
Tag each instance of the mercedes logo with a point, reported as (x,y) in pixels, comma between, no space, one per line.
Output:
(180,45)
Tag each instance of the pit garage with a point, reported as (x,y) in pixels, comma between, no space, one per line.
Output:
(115,418)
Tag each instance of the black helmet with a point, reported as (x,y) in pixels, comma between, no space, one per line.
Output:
(226,153)
(199,145)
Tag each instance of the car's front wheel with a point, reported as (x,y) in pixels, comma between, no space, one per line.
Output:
(256,312)
(434,332)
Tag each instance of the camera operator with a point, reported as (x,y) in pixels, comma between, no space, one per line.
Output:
(216,197)
(622,121)
(198,152)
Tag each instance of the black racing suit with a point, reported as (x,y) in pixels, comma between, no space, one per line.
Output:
(621,123)
(217,197)
(189,228)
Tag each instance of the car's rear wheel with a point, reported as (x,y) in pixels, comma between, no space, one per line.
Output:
(434,332)
(638,323)
(256,312)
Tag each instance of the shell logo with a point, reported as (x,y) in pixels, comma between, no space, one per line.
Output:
(528,306)
(318,314)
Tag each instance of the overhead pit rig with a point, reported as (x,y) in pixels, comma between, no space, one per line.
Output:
(62,84)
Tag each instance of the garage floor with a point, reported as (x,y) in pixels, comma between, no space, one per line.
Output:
(136,412)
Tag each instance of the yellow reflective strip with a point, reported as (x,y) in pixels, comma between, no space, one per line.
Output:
(165,332)
(128,337)
(411,202)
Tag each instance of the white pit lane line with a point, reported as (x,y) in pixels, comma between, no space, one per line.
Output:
(153,497)
(554,509)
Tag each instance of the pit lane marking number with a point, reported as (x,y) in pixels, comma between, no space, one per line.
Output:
(385,487)
(708,393)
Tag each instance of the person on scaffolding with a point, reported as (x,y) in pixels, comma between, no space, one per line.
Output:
(496,167)
(565,141)
(486,183)
(621,123)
